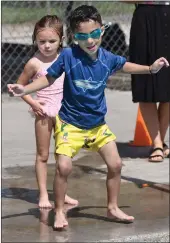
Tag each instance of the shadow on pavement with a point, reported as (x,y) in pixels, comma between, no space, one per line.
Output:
(25,194)
(72,212)
(138,182)
(128,151)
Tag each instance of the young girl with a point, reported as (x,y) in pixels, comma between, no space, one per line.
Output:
(47,38)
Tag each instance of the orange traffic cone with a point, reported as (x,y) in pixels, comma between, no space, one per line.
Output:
(141,137)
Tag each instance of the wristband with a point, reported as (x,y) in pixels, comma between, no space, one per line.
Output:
(150,71)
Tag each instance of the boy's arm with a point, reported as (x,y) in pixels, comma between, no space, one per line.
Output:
(38,84)
(133,68)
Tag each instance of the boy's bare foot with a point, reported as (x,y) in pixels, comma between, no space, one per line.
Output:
(70,200)
(68,207)
(44,202)
(60,220)
(119,216)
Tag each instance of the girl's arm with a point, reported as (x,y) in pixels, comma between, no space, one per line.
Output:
(29,71)
(133,68)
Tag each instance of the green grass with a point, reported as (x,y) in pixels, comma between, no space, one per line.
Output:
(19,15)
(13,15)
(113,8)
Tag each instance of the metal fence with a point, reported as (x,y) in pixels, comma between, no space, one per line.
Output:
(19,17)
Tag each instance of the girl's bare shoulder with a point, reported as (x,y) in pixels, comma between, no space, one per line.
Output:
(33,64)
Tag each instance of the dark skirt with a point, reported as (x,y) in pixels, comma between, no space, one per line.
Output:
(150,40)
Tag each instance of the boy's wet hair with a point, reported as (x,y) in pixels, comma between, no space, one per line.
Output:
(83,13)
(48,21)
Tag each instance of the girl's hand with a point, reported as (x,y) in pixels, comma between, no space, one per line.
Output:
(37,108)
(158,64)
(16,89)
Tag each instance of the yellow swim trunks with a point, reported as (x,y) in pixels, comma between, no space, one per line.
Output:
(70,139)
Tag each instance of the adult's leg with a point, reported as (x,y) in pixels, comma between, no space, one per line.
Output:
(111,157)
(164,121)
(150,114)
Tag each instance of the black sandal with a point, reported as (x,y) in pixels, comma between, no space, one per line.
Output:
(165,146)
(156,155)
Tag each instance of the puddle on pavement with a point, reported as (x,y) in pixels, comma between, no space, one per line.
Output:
(20,197)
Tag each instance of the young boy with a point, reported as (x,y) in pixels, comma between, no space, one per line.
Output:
(81,119)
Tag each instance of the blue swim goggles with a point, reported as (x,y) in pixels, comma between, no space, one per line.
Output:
(95,34)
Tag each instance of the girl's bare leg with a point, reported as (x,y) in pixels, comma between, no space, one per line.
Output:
(111,157)
(43,130)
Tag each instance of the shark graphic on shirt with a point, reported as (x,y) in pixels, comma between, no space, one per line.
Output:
(88,84)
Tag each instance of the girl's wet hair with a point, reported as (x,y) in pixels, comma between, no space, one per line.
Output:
(48,21)
(83,13)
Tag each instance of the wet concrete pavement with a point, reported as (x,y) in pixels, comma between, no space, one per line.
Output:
(23,222)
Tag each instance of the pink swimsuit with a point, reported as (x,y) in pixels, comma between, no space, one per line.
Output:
(51,96)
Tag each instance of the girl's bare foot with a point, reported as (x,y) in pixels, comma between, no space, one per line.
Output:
(70,200)
(44,202)
(119,216)
(60,220)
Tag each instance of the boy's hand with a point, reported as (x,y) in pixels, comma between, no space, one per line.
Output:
(158,64)
(37,107)
(16,89)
